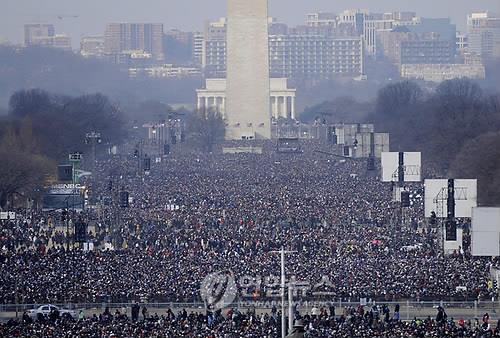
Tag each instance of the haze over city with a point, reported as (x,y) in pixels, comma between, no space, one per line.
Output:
(250,168)
(192,14)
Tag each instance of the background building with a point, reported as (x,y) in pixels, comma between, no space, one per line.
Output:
(37,31)
(372,25)
(165,71)
(198,48)
(321,19)
(427,51)
(438,28)
(483,31)
(462,43)
(314,56)
(146,37)
(390,43)
(178,47)
(92,46)
(213,97)
(442,72)
(60,41)
(423,41)
(214,49)
(309,51)
(354,18)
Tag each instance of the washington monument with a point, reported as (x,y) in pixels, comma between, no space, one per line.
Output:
(248,98)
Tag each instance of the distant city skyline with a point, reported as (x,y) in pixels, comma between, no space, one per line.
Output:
(190,15)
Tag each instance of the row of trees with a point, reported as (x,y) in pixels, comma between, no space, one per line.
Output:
(480,158)
(205,130)
(437,123)
(341,109)
(41,129)
(61,122)
(455,126)
(23,168)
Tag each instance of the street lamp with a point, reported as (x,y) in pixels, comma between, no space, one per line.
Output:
(93,138)
(75,159)
(282,253)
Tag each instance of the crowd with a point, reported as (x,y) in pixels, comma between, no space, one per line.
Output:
(195,214)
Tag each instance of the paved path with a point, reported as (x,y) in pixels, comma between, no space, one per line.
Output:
(405,314)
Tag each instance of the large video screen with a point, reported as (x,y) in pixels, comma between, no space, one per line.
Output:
(485,236)
(411,162)
(436,196)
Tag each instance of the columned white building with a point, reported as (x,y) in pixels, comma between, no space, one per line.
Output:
(282,98)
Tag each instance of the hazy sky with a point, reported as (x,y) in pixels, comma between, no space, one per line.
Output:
(191,14)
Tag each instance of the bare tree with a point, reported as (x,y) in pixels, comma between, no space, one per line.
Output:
(480,158)
(395,99)
(205,130)
(21,170)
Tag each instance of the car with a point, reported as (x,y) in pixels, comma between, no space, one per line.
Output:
(45,310)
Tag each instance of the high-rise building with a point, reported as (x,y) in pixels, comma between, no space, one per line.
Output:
(198,48)
(418,41)
(180,36)
(437,28)
(248,82)
(442,72)
(483,30)
(314,56)
(462,43)
(37,30)
(276,28)
(372,25)
(178,47)
(92,46)
(60,41)
(389,43)
(214,48)
(427,51)
(355,17)
(295,52)
(124,37)
(321,19)
(403,16)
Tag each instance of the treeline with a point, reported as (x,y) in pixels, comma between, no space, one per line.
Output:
(451,126)
(344,109)
(60,123)
(40,131)
(456,126)
(437,123)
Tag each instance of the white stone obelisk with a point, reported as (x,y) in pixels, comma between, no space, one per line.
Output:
(248,93)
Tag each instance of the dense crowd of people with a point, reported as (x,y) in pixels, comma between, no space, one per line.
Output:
(195,214)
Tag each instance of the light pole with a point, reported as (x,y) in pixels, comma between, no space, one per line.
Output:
(93,138)
(290,307)
(139,154)
(75,159)
(282,253)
